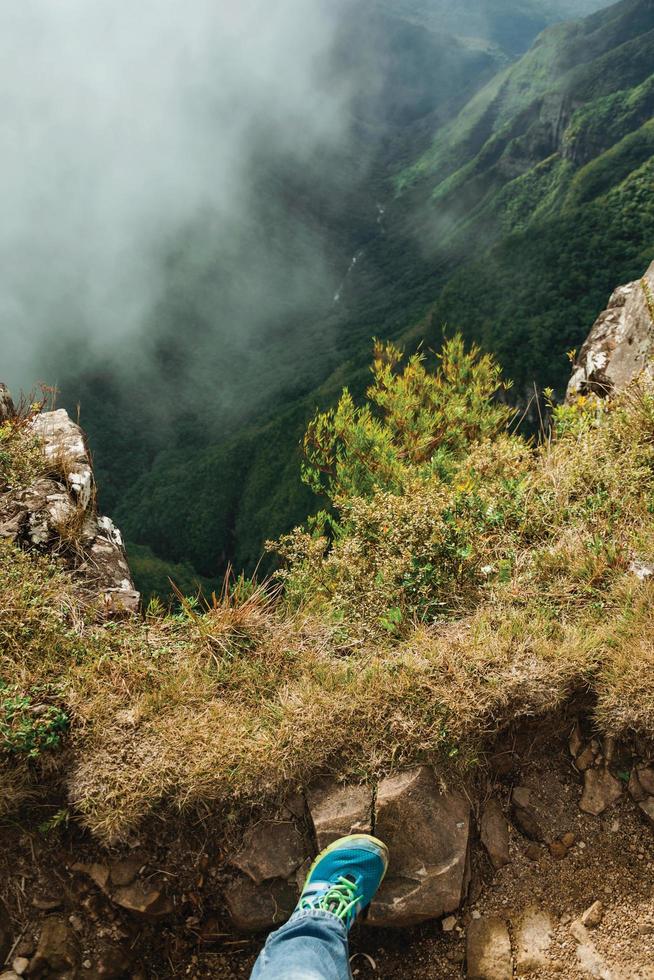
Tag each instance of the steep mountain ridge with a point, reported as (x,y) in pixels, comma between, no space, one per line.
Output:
(530,204)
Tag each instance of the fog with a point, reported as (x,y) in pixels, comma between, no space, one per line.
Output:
(122,126)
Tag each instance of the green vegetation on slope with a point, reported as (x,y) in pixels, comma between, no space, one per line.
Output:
(513,227)
(447,603)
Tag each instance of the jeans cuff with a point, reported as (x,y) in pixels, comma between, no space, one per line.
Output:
(319,914)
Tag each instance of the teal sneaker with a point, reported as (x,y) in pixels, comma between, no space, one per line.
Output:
(345,876)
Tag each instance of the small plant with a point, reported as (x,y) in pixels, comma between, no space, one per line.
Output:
(392,620)
(21,458)
(27,727)
(58,821)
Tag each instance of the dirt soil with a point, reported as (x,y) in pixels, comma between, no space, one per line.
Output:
(610,861)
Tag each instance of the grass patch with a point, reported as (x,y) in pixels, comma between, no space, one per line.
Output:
(425,616)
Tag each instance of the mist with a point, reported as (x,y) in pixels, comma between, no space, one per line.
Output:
(131,142)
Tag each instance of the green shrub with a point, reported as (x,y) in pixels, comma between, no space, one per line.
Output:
(29,728)
(416,422)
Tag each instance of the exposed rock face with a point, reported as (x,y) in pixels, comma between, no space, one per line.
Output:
(339,810)
(6,404)
(427,832)
(58,513)
(620,344)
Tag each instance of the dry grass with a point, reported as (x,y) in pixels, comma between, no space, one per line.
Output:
(254,696)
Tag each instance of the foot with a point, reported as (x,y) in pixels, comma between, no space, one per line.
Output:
(345,876)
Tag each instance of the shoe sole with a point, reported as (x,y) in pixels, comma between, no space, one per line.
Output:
(342,842)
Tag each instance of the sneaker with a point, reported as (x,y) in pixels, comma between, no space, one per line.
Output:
(345,876)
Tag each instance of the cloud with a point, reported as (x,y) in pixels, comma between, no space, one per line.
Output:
(123,125)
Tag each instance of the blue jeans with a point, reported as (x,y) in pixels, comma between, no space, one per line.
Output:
(312,945)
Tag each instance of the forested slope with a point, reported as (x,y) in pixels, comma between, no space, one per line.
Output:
(512,223)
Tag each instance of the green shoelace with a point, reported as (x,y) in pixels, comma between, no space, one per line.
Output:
(341,899)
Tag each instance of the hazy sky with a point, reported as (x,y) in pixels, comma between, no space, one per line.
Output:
(120,123)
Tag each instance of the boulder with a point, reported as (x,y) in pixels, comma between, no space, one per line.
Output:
(271,849)
(494,832)
(57,953)
(427,830)
(488,950)
(255,907)
(601,789)
(620,343)
(338,810)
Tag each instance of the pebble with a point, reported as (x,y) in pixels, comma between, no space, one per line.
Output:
(593,916)
(579,931)
(20,964)
(448,924)
(76,922)
(46,903)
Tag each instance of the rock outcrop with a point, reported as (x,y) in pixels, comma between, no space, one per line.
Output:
(426,828)
(7,409)
(427,831)
(621,343)
(57,513)
(339,810)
